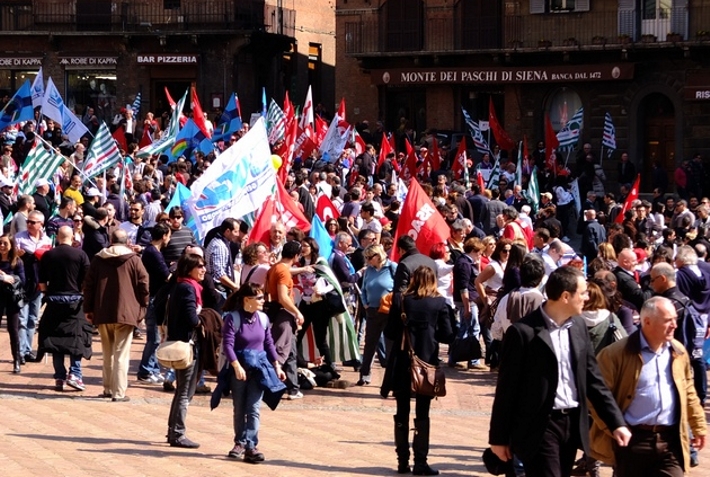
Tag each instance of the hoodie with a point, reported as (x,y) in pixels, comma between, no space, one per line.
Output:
(116,287)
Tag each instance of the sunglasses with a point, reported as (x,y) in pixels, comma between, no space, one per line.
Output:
(258,298)
(32,222)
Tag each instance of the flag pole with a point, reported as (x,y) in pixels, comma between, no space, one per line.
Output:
(601,155)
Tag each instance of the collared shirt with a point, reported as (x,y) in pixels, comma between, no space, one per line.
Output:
(29,244)
(219,259)
(655,400)
(566,394)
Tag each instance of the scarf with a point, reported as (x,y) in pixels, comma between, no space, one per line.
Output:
(196,286)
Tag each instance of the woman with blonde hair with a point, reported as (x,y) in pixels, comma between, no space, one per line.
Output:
(422,313)
(377,282)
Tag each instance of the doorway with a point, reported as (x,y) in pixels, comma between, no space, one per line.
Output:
(406,110)
(659,125)
(176,88)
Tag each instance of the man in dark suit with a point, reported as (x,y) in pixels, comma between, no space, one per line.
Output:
(626,278)
(592,235)
(478,205)
(409,260)
(627,170)
(547,373)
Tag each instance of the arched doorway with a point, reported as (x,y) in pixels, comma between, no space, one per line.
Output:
(658,126)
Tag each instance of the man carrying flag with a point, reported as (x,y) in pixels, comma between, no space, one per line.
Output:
(633,196)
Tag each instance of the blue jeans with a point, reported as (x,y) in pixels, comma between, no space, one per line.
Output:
(149,363)
(246,401)
(28,322)
(170,377)
(186,381)
(60,372)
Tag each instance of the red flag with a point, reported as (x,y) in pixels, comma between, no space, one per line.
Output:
(411,161)
(434,156)
(502,138)
(146,138)
(341,109)
(171,101)
(358,142)
(288,108)
(287,148)
(551,141)
(321,130)
(291,215)
(459,165)
(385,150)
(262,224)
(198,116)
(393,144)
(120,136)
(420,220)
(633,195)
(326,209)
(479,180)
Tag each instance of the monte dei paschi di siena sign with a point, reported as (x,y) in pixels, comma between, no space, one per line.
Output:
(421,76)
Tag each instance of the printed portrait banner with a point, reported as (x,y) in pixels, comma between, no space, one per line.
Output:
(236,184)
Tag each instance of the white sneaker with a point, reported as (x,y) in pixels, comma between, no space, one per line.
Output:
(298,395)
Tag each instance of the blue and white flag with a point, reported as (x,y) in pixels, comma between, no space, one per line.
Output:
(38,89)
(136,106)
(52,103)
(19,108)
(230,121)
(569,135)
(609,136)
(236,184)
(478,140)
(335,139)
(179,198)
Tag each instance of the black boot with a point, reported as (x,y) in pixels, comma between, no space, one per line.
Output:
(16,367)
(401,442)
(420,446)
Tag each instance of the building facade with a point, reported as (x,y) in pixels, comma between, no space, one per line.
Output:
(417,62)
(101,53)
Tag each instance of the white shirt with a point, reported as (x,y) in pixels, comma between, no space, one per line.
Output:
(501,322)
(566,393)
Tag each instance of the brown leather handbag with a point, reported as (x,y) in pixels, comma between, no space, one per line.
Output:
(427,379)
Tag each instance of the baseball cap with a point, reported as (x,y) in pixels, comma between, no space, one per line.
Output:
(93,192)
(41,182)
(4,182)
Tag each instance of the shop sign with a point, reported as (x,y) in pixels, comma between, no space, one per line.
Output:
(543,74)
(697,85)
(6,62)
(88,61)
(162,59)
(697,94)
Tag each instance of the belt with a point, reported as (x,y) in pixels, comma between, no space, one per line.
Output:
(656,429)
(563,412)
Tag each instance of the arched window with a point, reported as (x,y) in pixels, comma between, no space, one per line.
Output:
(480,24)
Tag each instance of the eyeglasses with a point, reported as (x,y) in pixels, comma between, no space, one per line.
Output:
(78,221)
(176,217)
(32,222)
(505,250)
(202,265)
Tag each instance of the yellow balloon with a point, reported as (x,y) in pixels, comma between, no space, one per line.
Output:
(276,161)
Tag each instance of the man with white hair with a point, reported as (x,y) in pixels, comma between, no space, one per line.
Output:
(592,235)
(649,375)
(524,216)
(693,278)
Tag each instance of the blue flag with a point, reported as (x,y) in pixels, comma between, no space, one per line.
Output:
(320,235)
(264,106)
(230,121)
(136,106)
(19,108)
(189,139)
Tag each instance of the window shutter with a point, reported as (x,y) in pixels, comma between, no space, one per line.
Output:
(581,5)
(627,18)
(537,6)
(679,17)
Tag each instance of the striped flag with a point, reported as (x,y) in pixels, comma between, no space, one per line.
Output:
(41,163)
(478,140)
(275,123)
(136,106)
(609,137)
(533,192)
(103,153)
(569,135)
(494,178)
(168,139)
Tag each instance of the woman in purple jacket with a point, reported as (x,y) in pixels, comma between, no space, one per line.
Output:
(246,327)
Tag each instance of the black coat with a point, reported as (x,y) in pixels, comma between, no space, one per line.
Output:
(428,324)
(527,384)
(592,235)
(407,264)
(629,289)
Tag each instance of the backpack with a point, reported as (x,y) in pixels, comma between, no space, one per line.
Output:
(234,315)
(691,331)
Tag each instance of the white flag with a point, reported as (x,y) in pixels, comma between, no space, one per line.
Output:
(334,141)
(52,103)
(484,125)
(38,89)
(72,127)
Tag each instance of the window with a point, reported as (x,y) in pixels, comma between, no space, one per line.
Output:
(404,25)
(315,69)
(93,88)
(11,80)
(558,6)
(171,4)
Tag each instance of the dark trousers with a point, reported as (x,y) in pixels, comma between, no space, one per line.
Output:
(283,331)
(185,384)
(422,404)
(558,447)
(700,378)
(316,315)
(650,454)
(13,329)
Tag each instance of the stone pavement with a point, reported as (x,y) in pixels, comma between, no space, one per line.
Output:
(332,432)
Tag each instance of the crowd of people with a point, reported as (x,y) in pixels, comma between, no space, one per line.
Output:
(544,286)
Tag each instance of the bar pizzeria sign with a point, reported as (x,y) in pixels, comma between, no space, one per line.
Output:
(548,74)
